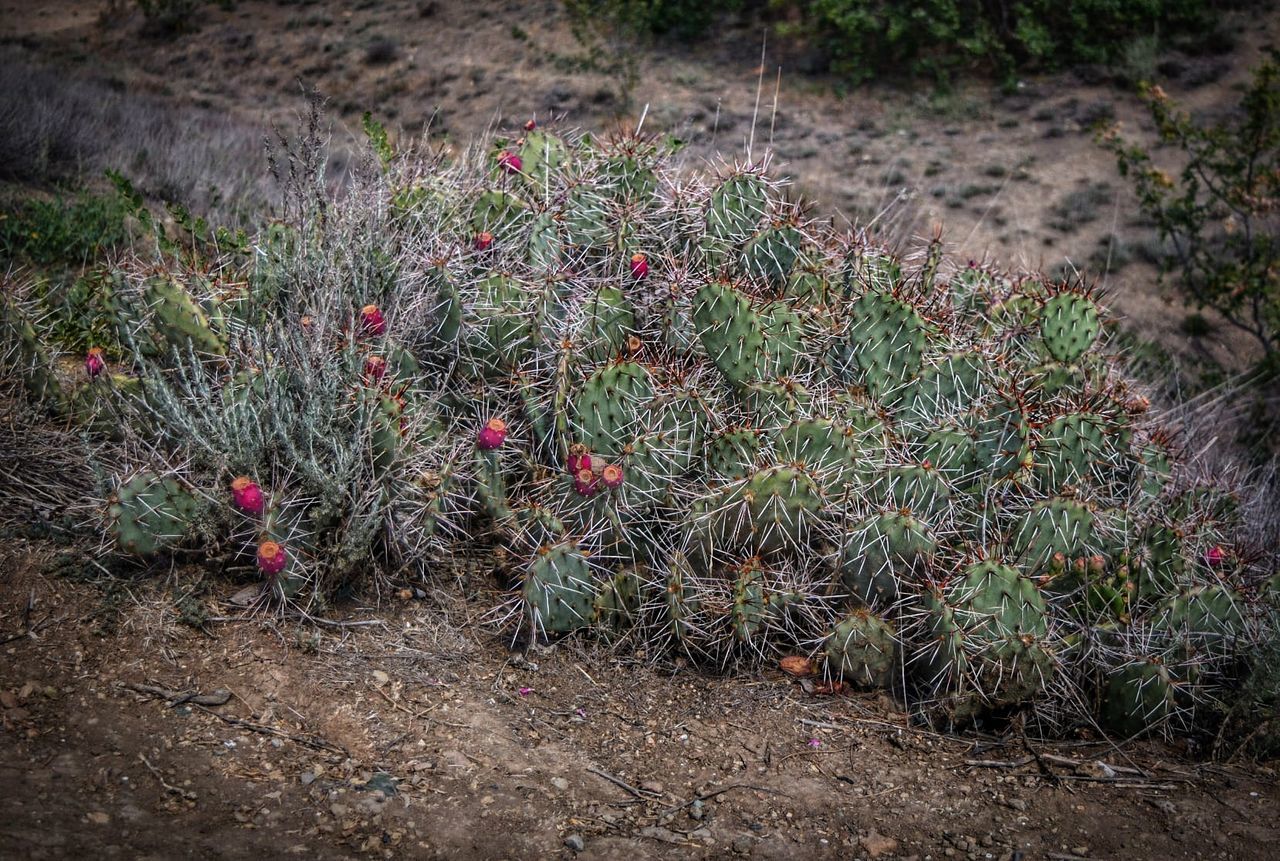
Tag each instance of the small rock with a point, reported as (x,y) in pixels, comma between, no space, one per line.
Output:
(308,778)
(877,844)
(666,835)
(653,786)
(742,845)
(697,810)
(560,783)
(97,817)
(575,842)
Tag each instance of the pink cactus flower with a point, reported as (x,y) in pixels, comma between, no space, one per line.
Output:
(271,558)
(93,363)
(373,321)
(492,435)
(639,266)
(509,162)
(247,495)
(612,476)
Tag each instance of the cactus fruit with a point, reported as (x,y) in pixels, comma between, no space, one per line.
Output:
(639,266)
(509,162)
(375,368)
(93,364)
(272,558)
(579,459)
(611,475)
(492,435)
(483,240)
(372,323)
(585,483)
(247,496)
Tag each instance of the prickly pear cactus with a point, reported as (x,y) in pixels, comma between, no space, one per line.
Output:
(684,412)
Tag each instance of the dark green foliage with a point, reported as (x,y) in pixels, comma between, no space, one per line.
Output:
(1219,215)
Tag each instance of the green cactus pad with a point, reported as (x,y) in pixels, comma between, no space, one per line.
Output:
(736,208)
(883,552)
(1050,527)
(1069,326)
(607,410)
(771,510)
(862,650)
(149,513)
(178,319)
(733,453)
(559,590)
(824,448)
(883,345)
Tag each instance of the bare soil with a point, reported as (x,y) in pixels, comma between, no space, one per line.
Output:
(403,736)
(415,732)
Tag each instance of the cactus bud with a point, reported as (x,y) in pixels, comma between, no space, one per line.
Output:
(584,482)
(530,125)
(639,266)
(374,369)
(271,558)
(247,495)
(93,363)
(492,435)
(612,476)
(483,240)
(1215,556)
(1097,564)
(373,321)
(579,458)
(509,162)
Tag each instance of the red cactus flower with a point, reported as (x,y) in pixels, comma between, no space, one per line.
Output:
(375,367)
(639,266)
(93,363)
(509,162)
(612,476)
(483,240)
(492,435)
(579,458)
(584,481)
(271,558)
(247,495)
(1215,556)
(374,323)
(531,125)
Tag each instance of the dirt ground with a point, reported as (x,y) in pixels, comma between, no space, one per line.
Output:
(401,736)
(412,731)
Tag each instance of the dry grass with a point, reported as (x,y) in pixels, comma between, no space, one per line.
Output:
(57,128)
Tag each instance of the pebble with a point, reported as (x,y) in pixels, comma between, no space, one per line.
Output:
(560,783)
(575,842)
(697,810)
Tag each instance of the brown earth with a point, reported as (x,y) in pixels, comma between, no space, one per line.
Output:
(414,739)
(483,753)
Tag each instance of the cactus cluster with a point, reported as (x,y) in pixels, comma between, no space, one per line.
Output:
(687,413)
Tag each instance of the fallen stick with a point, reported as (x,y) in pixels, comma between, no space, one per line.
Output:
(642,794)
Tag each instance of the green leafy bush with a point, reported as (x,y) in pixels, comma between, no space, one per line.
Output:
(866,38)
(1220,215)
